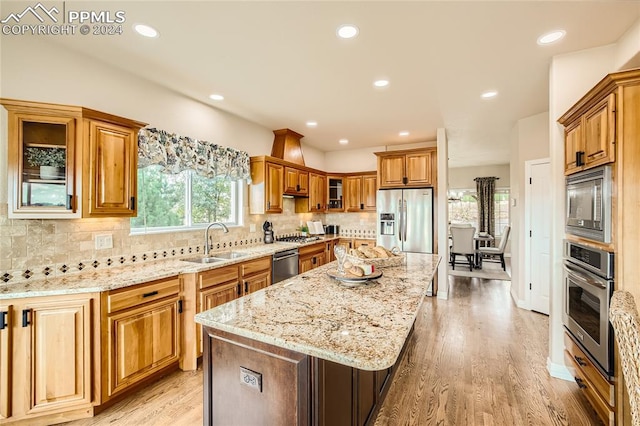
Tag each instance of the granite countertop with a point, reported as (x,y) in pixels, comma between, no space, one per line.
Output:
(363,327)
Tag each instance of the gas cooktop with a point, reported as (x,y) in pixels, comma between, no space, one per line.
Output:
(297,239)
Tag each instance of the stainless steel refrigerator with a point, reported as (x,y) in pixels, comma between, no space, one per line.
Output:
(405,219)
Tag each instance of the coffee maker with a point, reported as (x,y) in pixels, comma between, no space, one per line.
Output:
(268,232)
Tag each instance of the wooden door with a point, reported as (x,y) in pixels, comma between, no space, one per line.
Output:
(216,296)
(317,187)
(335,194)
(369,192)
(305,264)
(291,184)
(59,365)
(392,171)
(320,259)
(572,145)
(6,366)
(367,395)
(353,193)
(419,171)
(144,340)
(110,173)
(599,133)
(273,188)
(303,183)
(257,282)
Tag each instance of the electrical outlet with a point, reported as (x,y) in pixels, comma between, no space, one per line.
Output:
(104,241)
(252,227)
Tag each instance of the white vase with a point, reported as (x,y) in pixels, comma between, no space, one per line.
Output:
(51,173)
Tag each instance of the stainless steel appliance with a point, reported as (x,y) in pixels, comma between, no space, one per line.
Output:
(285,265)
(405,219)
(589,204)
(588,286)
(332,229)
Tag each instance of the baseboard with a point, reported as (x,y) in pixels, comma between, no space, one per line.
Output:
(559,371)
(520,303)
(442,294)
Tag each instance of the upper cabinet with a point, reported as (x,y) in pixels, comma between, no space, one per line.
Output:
(59,154)
(296,182)
(590,137)
(335,197)
(360,192)
(316,202)
(265,191)
(409,168)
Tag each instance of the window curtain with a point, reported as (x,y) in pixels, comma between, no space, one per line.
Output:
(486,189)
(175,153)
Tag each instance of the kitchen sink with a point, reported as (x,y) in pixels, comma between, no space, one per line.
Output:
(203,260)
(228,255)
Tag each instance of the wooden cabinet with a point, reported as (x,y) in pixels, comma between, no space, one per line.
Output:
(360,193)
(595,387)
(46,357)
(335,193)
(310,257)
(296,182)
(329,250)
(316,202)
(142,333)
(590,138)
(265,191)
(57,152)
(408,168)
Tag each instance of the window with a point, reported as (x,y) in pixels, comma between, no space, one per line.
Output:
(185,200)
(463,208)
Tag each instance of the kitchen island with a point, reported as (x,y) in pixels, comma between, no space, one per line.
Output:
(310,350)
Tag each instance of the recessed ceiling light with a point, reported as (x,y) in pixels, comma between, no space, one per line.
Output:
(381,83)
(347,31)
(403,133)
(551,37)
(216,97)
(312,124)
(145,30)
(343,141)
(489,94)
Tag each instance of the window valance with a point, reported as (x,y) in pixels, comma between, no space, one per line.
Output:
(175,153)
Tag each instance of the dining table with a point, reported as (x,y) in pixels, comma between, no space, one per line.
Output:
(484,239)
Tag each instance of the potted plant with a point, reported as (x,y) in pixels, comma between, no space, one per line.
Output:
(50,160)
(304,230)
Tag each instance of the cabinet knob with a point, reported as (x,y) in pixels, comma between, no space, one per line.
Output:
(580,361)
(132,203)
(25,317)
(239,290)
(580,158)
(580,383)
(405,180)
(246,287)
(297,187)
(361,206)
(3,320)
(318,206)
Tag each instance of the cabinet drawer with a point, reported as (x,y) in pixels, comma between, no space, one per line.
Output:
(143,293)
(217,276)
(253,266)
(604,410)
(602,385)
(311,250)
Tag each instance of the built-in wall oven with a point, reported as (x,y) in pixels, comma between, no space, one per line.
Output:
(589,200)
(588,286)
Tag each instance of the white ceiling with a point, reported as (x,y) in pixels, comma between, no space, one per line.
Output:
(280,64)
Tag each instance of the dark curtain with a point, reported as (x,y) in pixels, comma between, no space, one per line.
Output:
(486,189)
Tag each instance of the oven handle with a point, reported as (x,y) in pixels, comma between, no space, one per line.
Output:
(583,277)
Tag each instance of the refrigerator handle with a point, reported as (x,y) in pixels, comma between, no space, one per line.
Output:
(404,220)
(400,217)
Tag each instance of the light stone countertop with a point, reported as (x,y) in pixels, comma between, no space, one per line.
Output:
(362,327)
(124,276)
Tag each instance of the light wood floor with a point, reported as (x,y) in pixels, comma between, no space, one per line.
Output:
(477,360)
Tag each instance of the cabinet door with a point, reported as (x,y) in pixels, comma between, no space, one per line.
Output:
(110,181)
(367,395)
(321,259)
(369,190)
(144,340)
(335,199)
(41,166)
(392,171)
(273,188)
(216,296)
(296,182)
(572,145)
(257,282)
(303,183)
(353,193)
(419,171)
(305,264)
(59,342)
(599,133)
(6,351)
(317,186)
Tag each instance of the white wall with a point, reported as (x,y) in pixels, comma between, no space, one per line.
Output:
(627,51)
(570,77)
(463,177)
(529,141)
(363,159)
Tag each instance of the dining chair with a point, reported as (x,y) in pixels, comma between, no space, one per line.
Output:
(493,252)
(623,315)
(462,245)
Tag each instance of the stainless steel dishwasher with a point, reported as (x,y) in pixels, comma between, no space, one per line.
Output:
(285,265)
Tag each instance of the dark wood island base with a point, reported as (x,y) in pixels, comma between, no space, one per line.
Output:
(247,382)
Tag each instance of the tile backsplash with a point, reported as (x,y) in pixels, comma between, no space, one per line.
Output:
(39,248)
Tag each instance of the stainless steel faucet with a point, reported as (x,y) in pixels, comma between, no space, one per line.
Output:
(206,234)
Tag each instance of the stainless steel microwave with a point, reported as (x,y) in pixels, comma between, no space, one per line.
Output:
(589,196)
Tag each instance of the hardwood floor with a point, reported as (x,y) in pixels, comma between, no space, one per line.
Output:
(477,360)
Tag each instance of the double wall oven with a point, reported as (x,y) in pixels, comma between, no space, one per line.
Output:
(588,286)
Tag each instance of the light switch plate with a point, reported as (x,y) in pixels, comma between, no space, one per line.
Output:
(251,378)
(104,241)
(252,227)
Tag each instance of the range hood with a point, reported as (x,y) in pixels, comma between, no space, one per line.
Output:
(286,146)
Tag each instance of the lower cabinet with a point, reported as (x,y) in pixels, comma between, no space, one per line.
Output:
(46,358)
(142,335)
(310,257)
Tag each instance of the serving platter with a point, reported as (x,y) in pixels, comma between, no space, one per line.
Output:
(353,280)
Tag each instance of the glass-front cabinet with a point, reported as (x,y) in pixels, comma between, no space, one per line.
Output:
(335,197)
